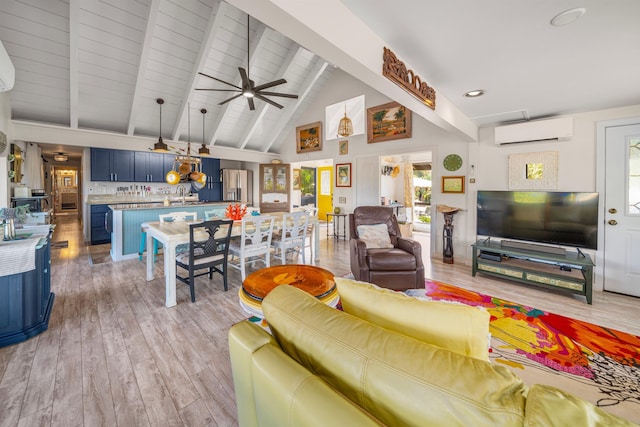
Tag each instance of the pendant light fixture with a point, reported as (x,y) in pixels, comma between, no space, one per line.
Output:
(345,128)
(160,146)
(203,151)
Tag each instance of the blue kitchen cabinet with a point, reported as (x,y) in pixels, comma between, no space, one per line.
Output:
(149,167)
(99,232)
(112,165)
(212,191)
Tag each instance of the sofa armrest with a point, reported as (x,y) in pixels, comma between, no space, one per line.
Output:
(245,338)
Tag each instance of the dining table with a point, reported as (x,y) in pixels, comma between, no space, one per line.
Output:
(175,233)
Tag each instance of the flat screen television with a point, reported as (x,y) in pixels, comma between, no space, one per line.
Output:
(560,218)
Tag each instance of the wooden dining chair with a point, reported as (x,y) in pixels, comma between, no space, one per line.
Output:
(254,243)
(208,250)
(292,235)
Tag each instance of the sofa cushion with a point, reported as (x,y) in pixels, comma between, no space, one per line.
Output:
(375,236)
(546,403)
(398,379)
(390,260)
(459,328)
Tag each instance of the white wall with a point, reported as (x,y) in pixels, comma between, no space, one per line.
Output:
(576,165)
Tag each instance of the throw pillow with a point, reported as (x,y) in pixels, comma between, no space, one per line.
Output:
(459,328)
(375,236)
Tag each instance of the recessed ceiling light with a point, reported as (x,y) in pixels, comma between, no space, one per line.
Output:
(568,16)
(474,93)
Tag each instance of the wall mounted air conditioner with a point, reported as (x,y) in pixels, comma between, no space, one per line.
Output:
(7,70)
(540,130)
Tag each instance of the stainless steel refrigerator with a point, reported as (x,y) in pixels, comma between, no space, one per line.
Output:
(237,186)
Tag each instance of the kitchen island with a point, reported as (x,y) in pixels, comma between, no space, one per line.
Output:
(26,299)
(127,218)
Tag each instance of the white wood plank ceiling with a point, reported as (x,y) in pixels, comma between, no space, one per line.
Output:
(101,64)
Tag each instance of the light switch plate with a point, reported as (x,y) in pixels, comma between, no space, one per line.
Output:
(342,200)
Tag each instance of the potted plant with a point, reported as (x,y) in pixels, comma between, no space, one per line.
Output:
(9,216)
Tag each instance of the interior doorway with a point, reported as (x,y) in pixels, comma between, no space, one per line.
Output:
(65,191)
(422,183)
(308,195)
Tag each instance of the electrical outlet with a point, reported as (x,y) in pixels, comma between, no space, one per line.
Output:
(342,200)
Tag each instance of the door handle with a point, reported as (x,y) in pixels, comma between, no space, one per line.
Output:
(613,222)
(613,210)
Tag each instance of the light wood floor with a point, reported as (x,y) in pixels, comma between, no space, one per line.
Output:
(114,355)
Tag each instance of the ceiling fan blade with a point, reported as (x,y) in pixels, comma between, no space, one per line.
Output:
(220,90)
(251,104)
(285,95)
(275,104)
(230,99)
(271,84)
(245,78)
(218,80)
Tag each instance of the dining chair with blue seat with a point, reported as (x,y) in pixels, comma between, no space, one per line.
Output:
(208,250)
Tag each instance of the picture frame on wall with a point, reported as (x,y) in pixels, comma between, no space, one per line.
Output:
(309,137)
(343,147)
(296,179)
(453,184)
(343,175)
(387,122)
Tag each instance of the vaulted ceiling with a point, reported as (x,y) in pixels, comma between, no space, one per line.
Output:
(101,64)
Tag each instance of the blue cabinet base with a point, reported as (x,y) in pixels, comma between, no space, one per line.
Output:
(33,330)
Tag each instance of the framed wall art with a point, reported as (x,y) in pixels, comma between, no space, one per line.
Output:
(343,147)
(453,184)
(533,171)
(387,122)
(309,137)
(343,175)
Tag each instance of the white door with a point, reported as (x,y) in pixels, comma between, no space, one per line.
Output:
(622,210)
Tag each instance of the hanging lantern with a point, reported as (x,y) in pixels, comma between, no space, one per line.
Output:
(345,128)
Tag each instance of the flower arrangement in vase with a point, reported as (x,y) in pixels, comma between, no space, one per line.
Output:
(235,212)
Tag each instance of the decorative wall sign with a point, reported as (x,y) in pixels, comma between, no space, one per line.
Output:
(388,121)
(533,171)
(309,137)
(396,71)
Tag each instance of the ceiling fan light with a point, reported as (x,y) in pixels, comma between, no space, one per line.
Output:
(247,93)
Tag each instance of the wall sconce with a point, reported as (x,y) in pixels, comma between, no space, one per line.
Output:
(345,128)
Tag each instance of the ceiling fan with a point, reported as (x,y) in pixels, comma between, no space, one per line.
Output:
(249,89)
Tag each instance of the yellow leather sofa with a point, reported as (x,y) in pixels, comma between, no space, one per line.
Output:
(321,366)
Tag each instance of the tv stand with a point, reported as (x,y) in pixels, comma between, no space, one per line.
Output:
(571,271)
